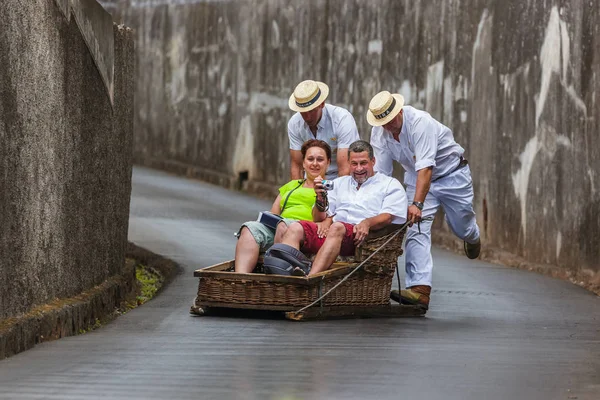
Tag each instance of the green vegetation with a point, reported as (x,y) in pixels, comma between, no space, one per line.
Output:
(97,324)
(149,280)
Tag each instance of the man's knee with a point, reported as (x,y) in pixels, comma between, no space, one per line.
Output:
(470,233)
(337,229)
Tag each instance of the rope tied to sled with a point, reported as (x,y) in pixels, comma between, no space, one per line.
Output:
(402,228)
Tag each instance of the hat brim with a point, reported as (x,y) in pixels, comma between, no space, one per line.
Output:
(380,122)
(324,93)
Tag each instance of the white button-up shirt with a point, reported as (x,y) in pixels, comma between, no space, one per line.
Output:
(379,194)
(336,127)
(424,142)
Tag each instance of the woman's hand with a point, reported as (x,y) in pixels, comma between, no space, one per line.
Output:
(319,188)
(323,228)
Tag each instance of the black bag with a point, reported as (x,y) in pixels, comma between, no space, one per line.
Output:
(271,220)
(282,259)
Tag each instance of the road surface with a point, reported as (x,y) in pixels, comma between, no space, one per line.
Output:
(491,332)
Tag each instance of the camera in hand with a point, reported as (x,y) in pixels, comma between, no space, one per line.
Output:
(327,184)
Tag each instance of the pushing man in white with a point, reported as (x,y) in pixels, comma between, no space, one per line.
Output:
(316,120)
(436,174)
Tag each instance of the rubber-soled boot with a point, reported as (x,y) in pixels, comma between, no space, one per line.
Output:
(414,295)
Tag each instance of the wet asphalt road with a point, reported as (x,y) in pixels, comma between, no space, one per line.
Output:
(491,332)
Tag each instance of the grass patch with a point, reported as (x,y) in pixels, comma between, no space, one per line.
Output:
(149,281)
(97,324)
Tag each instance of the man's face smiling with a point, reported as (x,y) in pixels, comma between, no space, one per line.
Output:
(361,166)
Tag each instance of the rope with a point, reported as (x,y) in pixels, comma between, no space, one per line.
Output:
(398,279)
(402,228)
(353,271)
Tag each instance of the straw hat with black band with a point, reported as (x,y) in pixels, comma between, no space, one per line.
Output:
(308,95)
(384,106)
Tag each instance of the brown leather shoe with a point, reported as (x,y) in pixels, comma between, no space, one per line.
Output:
(414,295)
(472,250)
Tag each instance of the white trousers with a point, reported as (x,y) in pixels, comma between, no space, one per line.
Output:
(455,194)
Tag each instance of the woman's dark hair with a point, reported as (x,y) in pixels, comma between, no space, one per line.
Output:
(316,143)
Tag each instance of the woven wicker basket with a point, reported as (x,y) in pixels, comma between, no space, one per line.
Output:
(219,286)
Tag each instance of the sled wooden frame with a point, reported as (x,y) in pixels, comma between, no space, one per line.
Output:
(364,295)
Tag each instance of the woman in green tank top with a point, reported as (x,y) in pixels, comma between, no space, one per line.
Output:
(294,203)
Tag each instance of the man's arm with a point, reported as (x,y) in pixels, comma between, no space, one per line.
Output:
(425,141)
(342,162)
(393,210)
(383,156)
(423,184)
(296,165)
(361,230)
(379,221)
(347,133)
(295,137)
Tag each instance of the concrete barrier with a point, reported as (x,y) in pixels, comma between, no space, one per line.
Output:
(65,161)
(516,81)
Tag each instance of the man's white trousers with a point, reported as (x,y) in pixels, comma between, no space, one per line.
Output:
(455,194)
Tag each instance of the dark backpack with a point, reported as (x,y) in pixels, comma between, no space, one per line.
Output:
(282,259)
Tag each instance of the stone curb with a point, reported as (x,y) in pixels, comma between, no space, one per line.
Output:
(70,316)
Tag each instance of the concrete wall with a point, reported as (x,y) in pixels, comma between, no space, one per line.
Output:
(65,157)
(516,81)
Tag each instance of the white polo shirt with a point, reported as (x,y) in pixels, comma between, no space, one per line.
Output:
(336,127)
(379,194)
(424,142)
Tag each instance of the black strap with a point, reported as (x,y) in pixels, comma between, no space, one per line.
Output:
(274,265)
(291,255)
(461,163)
(289,194)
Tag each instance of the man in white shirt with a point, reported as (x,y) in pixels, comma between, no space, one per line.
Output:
(436,174)
(316,120)
(343,216)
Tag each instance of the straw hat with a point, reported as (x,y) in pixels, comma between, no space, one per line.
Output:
(384,107)
(308,95)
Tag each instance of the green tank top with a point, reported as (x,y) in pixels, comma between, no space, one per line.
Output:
(299,205)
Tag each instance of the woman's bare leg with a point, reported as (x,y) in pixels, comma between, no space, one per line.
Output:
(246,252)
(281,229)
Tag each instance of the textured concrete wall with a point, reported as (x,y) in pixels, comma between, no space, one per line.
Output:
(65,157)
(516,81)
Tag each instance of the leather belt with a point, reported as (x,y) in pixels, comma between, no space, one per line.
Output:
(461,164)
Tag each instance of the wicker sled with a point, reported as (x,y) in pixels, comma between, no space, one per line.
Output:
(365,294)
